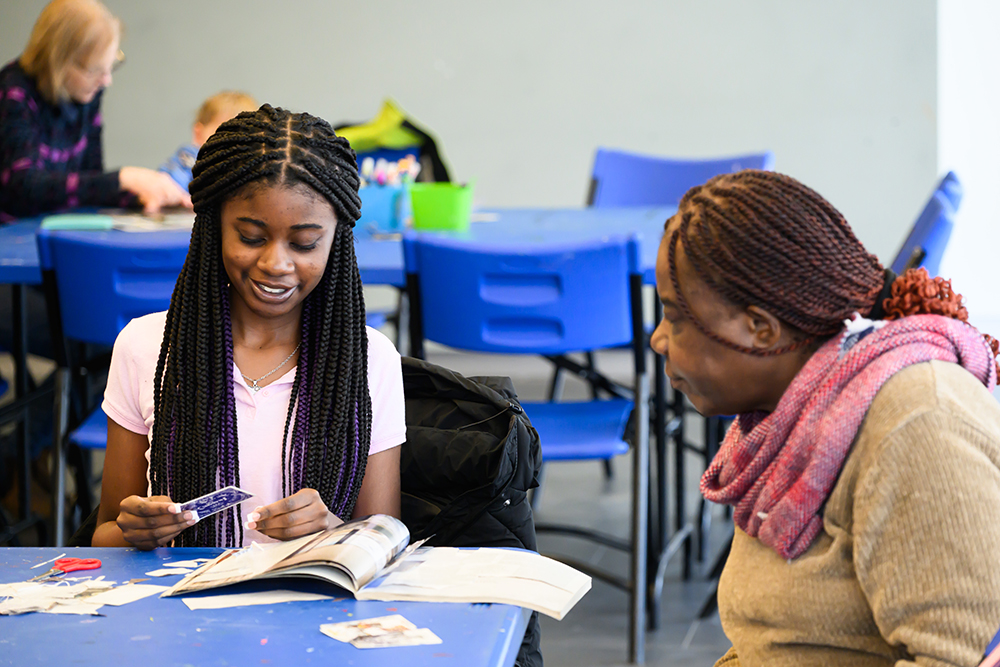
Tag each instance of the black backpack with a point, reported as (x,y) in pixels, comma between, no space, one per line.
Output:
(470,457)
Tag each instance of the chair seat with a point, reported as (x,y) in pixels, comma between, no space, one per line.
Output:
(584,430)
(93,432)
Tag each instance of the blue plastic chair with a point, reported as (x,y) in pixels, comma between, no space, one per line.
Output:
(925,244)
(549,300)
(620,178)
(100,281)
(624,179)
(951,188)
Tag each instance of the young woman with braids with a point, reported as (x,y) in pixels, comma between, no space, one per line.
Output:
(262,373)
(864,461)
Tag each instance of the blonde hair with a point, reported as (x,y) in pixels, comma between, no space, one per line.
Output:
(67,32)
(232,101)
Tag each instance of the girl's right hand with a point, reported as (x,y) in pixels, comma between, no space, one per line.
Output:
(154,189)
(151,522)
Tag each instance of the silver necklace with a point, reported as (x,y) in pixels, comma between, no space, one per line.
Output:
(254,387)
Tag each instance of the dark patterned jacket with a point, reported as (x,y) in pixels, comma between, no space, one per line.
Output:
(50,155)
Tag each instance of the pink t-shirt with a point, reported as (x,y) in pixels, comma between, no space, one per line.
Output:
(260,417)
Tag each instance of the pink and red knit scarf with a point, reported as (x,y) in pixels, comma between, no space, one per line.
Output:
(777,469)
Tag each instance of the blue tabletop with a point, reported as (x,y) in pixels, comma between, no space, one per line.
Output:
(381,260)
(19,254)
(163,631)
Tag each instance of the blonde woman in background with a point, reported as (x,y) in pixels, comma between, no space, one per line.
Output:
(50,120)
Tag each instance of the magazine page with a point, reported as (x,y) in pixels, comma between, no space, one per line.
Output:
(360,549)
(236,565)
(506,576)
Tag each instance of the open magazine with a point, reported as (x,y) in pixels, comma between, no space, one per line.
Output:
(372,558)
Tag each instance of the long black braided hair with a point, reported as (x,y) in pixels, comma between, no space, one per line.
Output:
(195,448)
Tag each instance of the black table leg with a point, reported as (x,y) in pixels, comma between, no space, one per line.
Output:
(20,352)
(18,411)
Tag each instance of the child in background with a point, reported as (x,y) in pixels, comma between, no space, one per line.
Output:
(214,111)
(262,374)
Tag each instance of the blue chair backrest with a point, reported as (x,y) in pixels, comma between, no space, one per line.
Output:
(951,188)
(548,300)
(928,236)
(628,179)
(105,279)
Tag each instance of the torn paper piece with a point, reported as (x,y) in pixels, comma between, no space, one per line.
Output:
(168,572)
(417,637)
(348,630)
(10,590)
(247,599)
(80,608)
(14,606)
(380,632)
(45,596)
(182,563)
(126,594)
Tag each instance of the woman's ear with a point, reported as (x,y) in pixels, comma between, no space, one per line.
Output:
(764,329)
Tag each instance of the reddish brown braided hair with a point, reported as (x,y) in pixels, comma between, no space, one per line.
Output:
(764,239)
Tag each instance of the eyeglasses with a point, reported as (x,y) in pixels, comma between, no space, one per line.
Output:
(100,72)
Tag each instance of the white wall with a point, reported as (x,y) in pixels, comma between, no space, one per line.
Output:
(520,93)
(969,143)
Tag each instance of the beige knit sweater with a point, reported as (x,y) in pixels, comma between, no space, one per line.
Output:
(907,568)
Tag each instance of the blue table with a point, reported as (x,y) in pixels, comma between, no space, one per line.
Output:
(19,268)
(381,260)
(19,254)
(163,631)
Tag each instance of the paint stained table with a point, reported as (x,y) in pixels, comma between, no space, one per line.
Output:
(158,631)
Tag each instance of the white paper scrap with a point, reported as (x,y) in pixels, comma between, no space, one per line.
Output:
(348,631)
(81,608)
(126,594)
(14,606)
(11,590)
(247,599)
(168,572)
(59,596)
(183,563)
(381,632)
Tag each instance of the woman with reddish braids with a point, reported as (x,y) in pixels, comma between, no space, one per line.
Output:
(863,465)
(262,373)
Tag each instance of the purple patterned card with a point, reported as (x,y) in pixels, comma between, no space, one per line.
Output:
(216,501)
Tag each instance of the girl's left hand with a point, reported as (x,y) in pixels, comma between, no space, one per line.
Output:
(301,513)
